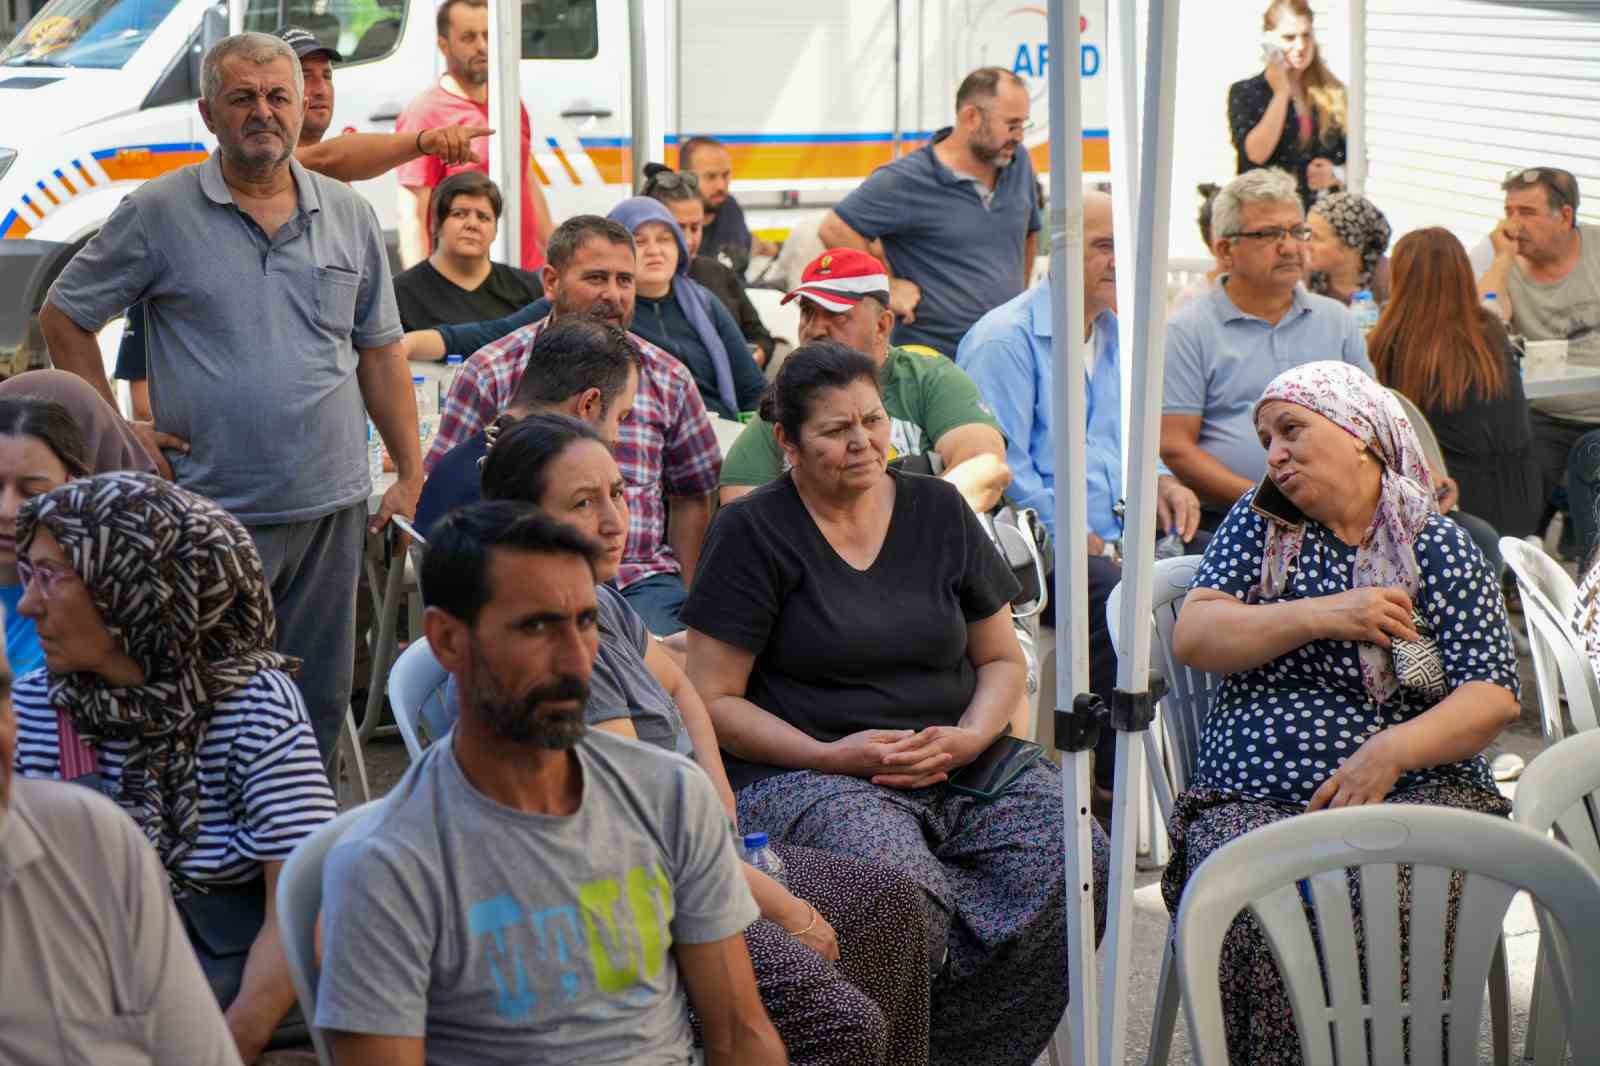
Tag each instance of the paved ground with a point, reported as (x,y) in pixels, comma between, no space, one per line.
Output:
(386,761)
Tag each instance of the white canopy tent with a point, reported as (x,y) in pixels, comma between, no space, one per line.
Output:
(1091,1036)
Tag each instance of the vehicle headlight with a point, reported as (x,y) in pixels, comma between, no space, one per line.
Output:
(7,155)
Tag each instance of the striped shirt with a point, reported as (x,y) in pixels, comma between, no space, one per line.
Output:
(262,785)
(665,447)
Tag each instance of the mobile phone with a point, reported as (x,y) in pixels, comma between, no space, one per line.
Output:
(1271,53)
(992,772)
(1270,502)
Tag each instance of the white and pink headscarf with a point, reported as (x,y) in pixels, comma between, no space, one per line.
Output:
(1367,411)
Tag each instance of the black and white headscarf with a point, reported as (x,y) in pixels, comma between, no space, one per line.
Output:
(1359,225)
(180,585)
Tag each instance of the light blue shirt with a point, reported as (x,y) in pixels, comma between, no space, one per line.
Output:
(1007,353)
(1220,360)
(23,653)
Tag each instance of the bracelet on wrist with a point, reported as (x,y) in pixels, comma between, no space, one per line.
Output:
(810,926)
(420,149)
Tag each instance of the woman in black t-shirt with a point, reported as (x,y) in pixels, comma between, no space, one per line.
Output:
(1293,114)
(850,632)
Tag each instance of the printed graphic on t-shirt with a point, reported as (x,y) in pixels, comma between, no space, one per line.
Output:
(613,941)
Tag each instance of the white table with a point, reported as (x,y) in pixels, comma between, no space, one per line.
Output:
(1564,380)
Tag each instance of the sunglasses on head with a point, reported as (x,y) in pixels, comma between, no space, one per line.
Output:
(676,179)
(1554,178)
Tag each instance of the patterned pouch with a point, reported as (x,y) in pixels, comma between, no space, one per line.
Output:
(1418,664)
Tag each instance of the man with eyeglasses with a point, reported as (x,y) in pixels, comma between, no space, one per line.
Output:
(956,221)
(1546,279)
(1225,347)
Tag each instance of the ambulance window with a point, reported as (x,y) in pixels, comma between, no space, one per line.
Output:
(559,29)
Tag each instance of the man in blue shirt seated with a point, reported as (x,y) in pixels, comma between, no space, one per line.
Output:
(1225,347)
(580,366)
(1008,355)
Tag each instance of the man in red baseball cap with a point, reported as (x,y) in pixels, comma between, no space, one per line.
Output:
(933,407)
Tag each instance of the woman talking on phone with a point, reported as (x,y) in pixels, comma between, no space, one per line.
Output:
(1364,651)
(1293,114)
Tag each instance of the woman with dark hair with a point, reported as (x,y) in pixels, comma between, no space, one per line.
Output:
(1436,347)
(161,689)
(679,190)
(53,427)
(1293,114)
(873,1006)
(677,314)
(850,632)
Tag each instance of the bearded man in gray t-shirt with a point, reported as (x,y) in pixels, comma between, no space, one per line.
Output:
(532,892)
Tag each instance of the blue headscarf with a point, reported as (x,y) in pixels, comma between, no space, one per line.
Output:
(693,298)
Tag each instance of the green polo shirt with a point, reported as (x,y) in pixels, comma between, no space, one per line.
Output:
(926,396)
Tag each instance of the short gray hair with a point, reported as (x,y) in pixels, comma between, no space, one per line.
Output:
(1262,186)
(257,48)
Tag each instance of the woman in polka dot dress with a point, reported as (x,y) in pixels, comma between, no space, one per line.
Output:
(1302,619)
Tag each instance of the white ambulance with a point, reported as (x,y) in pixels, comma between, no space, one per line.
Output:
(98,96)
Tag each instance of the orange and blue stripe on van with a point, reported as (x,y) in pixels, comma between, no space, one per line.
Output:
(136,162)
(780,156)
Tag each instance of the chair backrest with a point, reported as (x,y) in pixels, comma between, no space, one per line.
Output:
(299,904)
(1273,872)
(1548,600)
(1430,443)
(1189,693)
(1560,790)
(416,692)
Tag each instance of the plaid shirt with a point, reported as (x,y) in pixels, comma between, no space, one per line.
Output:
(666,447)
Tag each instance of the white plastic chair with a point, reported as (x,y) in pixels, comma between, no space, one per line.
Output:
(1172,745)
(299,904)
(1267,870)
(1559,790)
(1549,599)
(416,681)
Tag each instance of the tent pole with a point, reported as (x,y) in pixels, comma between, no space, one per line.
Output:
(505,118)
(1132,703)
(1075,1039)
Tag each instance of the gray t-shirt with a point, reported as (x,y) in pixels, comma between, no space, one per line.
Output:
(1568,310)
(965,252)
(622,686)
(252,340)
(509,938)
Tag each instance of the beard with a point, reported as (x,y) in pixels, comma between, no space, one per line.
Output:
(991,153)
(262,159)
(517,719)
(604,310)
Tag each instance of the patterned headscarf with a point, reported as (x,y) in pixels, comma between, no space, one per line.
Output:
(1368,412)
(1360,226)
(180,585)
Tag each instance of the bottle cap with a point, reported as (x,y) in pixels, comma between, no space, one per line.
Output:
(755,841)
(1364,294)
(453,360)
(418,379)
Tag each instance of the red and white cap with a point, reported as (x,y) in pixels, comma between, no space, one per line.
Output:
(837,279)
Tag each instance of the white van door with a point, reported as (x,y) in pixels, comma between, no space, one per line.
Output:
(575,87)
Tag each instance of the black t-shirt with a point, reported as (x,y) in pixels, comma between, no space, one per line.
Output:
(839,650)
(427,298)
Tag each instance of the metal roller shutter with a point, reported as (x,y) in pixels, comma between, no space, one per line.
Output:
(1461,91)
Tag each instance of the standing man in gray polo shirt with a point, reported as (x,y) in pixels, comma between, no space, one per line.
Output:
(957,220)
(1224,348)
(272,334)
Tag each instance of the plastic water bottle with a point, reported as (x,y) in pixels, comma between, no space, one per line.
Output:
(1491,304)
(452,370)
(758,853)
(1365,309)
(427,408)
(374,452)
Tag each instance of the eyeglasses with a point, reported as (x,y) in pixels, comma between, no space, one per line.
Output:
(1016,125)
(50,575)
(674,179)
(1273,234)
(1558,181)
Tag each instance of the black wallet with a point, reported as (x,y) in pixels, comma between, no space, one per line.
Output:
(992,772)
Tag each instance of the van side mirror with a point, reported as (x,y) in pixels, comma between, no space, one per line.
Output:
(213,28)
